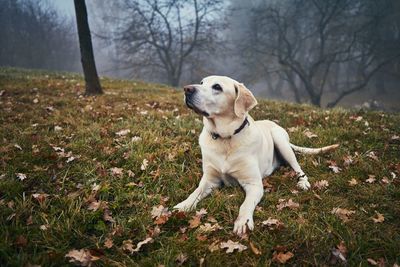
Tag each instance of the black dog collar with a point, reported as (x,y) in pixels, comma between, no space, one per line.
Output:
(215,136)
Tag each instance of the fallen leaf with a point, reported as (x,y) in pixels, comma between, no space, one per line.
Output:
(272,223)
(335,168)
(21,176)
(144,165)
(379,218)
(372,261)
(348,160)
(108,243)
(287,204)
(214,246)
(94,205)
(282,257)
(385,180)
(194,222)
(338,254)
(159,211)
(371,179)
(232,246)
(372,155)
(343,214)
(40,197)
(353,182)
(309,134)
(116,171)
(322,184)
(107,216)
(57,128)
(81,257)
(254,249)
(201,212)
(142,243)
(127,246)
(123,132)
(208,228)
(181,258)
(18,147)
(136,139)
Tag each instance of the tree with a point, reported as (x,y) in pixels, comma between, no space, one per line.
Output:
(158,37)
(85,42)
(307,40)
(34,35)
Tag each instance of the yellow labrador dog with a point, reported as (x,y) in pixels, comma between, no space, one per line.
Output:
(235,148)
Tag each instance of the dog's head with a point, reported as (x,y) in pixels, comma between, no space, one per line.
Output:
(219,96)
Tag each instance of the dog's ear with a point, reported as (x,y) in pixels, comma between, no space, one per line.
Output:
(245,100)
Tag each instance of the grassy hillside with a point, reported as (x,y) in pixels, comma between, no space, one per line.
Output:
(73,177)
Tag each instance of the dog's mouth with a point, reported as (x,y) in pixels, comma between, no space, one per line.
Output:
(190,105)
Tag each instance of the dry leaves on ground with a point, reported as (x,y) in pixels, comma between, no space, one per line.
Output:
(81,257)
(339,254)
(128,246)
(322,184)
(273,223)
(379,218)
(232,246)
(343,214)
(282,257)
(287,204)
(161,214)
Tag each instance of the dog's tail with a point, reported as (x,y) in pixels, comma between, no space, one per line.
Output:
(308,150)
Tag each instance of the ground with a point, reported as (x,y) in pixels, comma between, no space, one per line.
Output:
(95,176)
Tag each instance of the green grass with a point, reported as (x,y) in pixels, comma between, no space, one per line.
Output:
(169,144)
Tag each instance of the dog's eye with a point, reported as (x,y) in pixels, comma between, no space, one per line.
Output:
(201,82)
(217,87)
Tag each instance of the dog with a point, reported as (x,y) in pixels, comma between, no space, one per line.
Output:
(235,148)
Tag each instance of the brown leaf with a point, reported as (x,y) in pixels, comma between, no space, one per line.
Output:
(353,182)
(273,223)
(282,257)
(343,214)
(181,258)
(201,237)
(287,204)
(338,253)
(116,171)
(232,246)
(194,222)
(322,184)
(254,249)
(379,218)
(40,197)
(208,228)
(107,216)
(81,257)
(108,243)
(371,179)
(214,246)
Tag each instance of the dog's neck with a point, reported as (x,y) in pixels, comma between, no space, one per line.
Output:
(224,127)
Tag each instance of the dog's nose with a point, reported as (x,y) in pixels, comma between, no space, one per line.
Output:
(189,89)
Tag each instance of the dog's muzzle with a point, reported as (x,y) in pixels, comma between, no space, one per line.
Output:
(190,91)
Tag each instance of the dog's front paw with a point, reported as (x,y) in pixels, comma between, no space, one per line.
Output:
(184,206)
(242,224)
(303,184)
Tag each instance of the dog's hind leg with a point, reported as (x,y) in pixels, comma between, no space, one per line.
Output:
(205,187)
(281,142)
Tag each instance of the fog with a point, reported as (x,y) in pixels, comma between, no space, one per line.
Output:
(326,53)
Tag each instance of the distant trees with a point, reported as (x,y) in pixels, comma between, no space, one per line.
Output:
(33,35)
(161,36)
(85,42)
(314,44)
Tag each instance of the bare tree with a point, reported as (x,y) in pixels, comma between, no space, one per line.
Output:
(85,43)
(309,39)
(34,35)
(159,36)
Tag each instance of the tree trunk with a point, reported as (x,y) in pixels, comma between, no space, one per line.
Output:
(93,86)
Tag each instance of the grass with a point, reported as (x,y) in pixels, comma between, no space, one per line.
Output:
(43,231)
